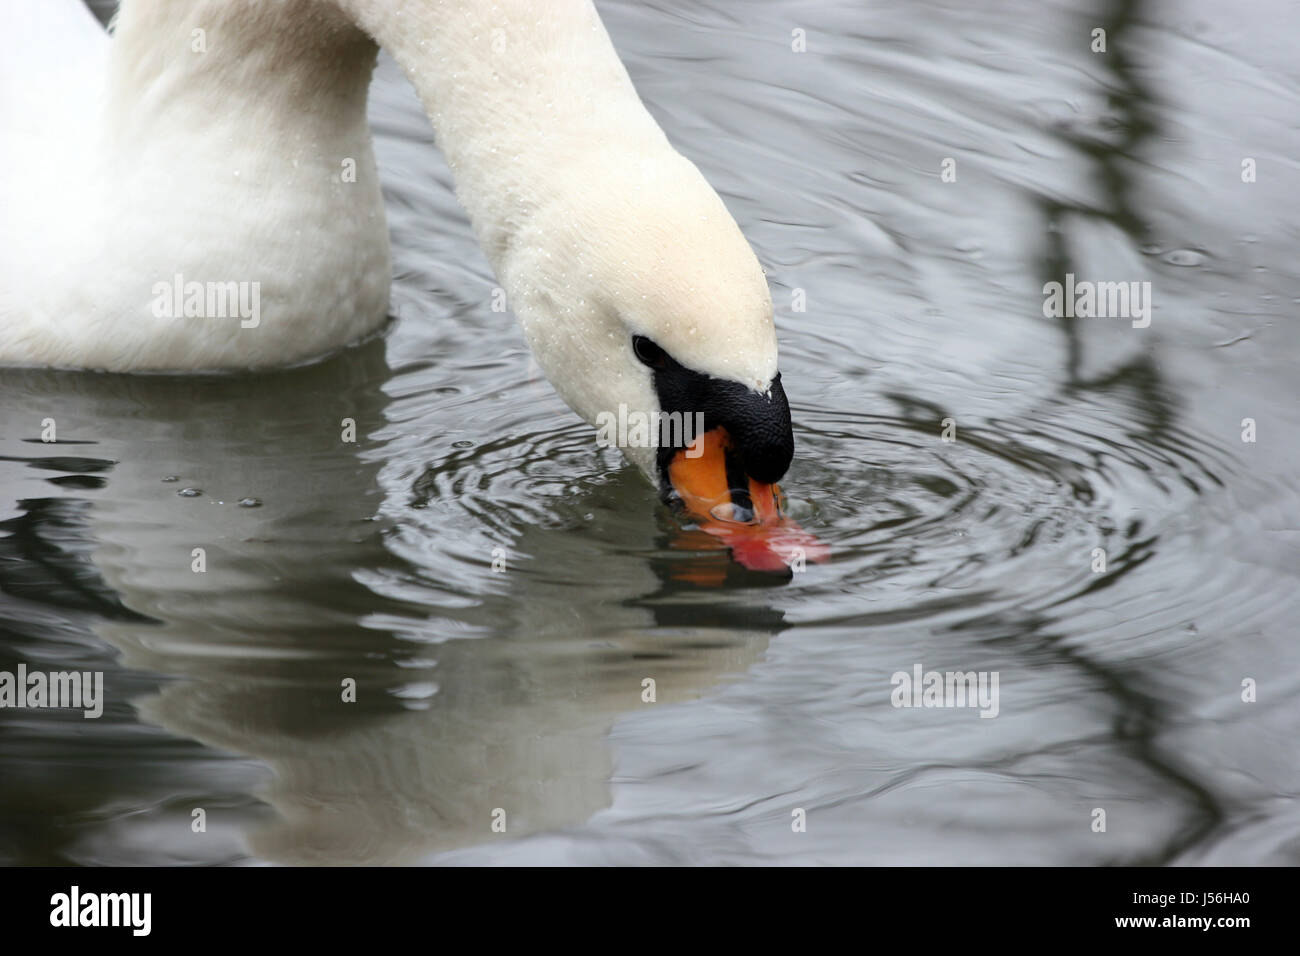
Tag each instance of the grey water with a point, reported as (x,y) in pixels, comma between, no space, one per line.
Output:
(1106,516)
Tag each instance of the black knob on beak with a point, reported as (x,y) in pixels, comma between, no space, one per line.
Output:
(759,425)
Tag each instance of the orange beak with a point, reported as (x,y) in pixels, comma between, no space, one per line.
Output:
(751,520)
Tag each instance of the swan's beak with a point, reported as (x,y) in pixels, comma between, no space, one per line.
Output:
(747,514)
(725,478)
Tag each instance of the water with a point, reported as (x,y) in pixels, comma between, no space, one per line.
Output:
(476,690)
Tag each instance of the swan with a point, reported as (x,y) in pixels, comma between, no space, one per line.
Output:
(223,145)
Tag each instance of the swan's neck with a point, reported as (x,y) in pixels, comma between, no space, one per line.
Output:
(523,95)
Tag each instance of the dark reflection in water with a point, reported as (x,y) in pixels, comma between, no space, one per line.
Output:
(500,591)
(1140,714)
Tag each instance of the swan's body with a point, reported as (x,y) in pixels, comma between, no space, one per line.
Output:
(143,157)
(220,166)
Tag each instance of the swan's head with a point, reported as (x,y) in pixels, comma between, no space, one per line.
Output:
(651,316)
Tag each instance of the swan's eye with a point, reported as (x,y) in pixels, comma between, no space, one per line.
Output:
(649,353)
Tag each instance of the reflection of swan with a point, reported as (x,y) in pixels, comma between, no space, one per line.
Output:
(200,191)
(503,703)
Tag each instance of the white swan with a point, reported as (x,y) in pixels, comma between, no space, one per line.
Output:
(225,141)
